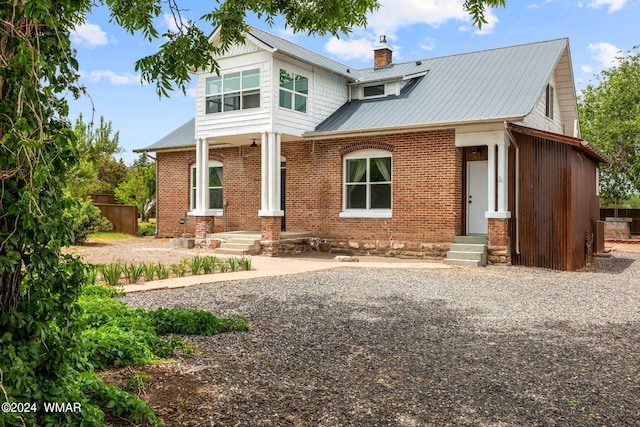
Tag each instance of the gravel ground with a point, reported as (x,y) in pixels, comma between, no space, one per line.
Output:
(387,347)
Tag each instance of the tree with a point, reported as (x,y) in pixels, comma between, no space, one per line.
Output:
(610,119)
(99,171)
(39,286)
(139,188)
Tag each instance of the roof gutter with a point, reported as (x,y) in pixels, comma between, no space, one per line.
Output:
(165,150)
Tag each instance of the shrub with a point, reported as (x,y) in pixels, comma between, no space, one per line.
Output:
(111,273)
(245,263)
(149,270)
(162,272)
(146,229)
(82,219)
(179,269)
(133,272)
(209,264)
(193,322)
(234,263)
(195,264)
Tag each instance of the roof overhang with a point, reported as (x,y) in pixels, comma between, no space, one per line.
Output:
(578,143)
(165,150)
(402,129)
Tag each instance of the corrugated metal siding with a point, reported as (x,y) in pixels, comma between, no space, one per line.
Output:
(584,207)
(544,221)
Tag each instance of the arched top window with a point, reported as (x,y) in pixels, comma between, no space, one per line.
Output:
(367,184)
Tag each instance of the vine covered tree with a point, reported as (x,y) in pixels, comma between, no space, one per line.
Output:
(39,287)
(610,119)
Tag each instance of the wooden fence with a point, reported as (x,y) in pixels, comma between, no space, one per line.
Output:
(634,214)
(123,217)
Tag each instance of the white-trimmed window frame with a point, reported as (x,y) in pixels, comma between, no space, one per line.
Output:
(293,93)
(366,212)
(193,189)
(241,92)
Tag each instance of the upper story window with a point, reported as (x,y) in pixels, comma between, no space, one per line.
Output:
(375,90)
(367,181)
(549,99)
(214,193)
(233,91)
(294,90)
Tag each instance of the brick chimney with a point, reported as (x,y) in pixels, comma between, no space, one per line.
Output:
(382,53)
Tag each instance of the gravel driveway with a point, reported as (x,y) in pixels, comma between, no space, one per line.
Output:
(387,347)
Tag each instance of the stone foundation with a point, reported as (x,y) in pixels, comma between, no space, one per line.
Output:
(391,248)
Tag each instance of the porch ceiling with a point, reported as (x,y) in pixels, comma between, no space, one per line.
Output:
(244,139)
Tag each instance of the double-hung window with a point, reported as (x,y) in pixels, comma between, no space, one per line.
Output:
(214,193)
(367,184)
(294,90)
(233,91)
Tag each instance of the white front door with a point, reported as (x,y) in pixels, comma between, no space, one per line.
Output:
(477,199)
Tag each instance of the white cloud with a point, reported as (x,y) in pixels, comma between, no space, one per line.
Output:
(352,49)
(89,35)
(395,14)
(604,53)
(114,78)
(170,22)
(586,68)
(540,5)
(428,44)
(613,5)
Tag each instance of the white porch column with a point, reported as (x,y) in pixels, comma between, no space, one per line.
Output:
(270,183)
(202,177)
(503,177)
(491,179)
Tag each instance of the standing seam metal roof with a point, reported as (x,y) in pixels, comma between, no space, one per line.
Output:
(502,83)
(485,85)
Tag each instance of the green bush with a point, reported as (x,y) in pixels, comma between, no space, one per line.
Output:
(146,229)
(82,219)
(193,322)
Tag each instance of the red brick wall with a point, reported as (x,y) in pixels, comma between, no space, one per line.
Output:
(427,188)
(173,192)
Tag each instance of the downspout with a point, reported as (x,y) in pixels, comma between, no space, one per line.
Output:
(517,184)
(146,153)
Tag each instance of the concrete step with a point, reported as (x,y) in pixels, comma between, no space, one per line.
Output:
(233,251)
(468,251)
(468,247)
(463,262)
(474,256)
(481,240)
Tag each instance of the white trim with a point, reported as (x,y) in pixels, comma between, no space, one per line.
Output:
(365,154)
(208,212)
(366,213)
(498,215)
(263,212)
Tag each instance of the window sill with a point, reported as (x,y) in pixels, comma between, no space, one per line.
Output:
(207,212)
(364,213)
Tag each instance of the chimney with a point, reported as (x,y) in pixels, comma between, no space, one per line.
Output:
(382,53)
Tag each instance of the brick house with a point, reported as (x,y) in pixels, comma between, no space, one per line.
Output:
(402,158)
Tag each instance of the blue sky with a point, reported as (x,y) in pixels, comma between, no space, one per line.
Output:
(598,31)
